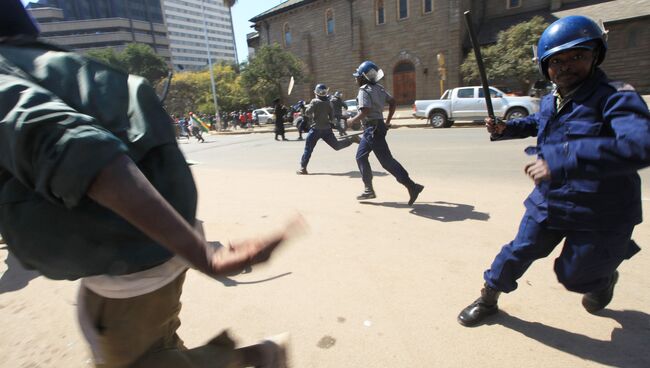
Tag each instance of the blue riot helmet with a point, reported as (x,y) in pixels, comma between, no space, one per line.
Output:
(572,32)
(15,21)
(337,94)
(370,71)
(321,90)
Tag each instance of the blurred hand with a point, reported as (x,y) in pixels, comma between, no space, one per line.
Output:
(538,171)
(238,255)
(495,127)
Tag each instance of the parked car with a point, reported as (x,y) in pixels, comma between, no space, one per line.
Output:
(352,108)
(468,103)
(265,115)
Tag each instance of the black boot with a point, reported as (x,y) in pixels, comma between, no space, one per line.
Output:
(368,193)
(484,306)
(414,192)
(597,300)
(302,171)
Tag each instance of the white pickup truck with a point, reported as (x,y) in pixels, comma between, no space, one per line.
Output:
(468,104)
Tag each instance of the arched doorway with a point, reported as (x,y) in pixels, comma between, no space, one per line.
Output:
(404,83)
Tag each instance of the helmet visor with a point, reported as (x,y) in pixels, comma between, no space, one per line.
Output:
(374,75)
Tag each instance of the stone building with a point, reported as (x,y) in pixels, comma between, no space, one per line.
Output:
(420,44)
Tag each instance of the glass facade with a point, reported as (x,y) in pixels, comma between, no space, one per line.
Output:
(146,10)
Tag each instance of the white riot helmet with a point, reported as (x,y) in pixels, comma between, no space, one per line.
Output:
(321,90)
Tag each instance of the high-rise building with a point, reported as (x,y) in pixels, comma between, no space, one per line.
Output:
(196,26)
(89,24)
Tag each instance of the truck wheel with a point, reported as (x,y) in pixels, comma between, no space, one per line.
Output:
(438,119)
(516,112)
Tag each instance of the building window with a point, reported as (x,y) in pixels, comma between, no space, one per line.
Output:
(329,21)
(287,35)
(513,4)
(427,6)
(381,19)
(403,9)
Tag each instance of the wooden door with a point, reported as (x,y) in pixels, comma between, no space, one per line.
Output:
(404,83)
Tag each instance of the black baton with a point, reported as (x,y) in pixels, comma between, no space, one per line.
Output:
(481,68)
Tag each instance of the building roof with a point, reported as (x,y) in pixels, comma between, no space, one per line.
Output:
(608,11)
(489,30)
(285,6)
(605,10)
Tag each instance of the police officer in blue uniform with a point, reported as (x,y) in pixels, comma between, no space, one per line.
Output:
(303,122)
(338,104)
(371,100)
(321,116)
(593,135)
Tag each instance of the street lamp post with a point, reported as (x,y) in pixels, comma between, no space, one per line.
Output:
(207,49)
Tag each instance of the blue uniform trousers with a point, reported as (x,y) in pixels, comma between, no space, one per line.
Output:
(587,261)
(374,140)
(325,134)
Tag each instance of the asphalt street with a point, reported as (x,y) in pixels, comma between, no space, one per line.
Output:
(370,284)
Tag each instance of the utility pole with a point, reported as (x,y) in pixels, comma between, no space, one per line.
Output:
(207,49)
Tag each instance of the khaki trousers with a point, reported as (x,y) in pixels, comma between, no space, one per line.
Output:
(140,332)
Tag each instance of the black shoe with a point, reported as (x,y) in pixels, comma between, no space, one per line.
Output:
(367,194)
(302,171)
(597,300)
(482,307)
(414,192)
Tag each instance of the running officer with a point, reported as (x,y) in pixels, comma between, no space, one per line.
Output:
(371,100)
(321,115)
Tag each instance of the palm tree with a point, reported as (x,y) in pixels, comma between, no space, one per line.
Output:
(230,4)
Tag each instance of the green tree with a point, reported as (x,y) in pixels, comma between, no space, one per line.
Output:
(136,58)
(270,69)
(190,91)
(107,56)
(140,59)
(511,58)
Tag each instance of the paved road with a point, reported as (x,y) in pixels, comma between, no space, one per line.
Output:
(374,284)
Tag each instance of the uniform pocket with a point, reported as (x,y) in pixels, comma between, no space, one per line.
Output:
(579,128)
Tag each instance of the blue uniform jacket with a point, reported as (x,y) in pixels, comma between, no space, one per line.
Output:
(594,147)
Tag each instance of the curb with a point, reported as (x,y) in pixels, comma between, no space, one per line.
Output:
(424,125)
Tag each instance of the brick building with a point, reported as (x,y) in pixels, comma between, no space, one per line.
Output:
(420,44)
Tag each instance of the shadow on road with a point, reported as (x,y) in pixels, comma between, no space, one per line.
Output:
(16,276)
(352,174)
(627,348)
(227,281)
(439,211)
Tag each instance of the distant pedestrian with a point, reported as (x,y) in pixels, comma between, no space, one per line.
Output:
(280,111)
(196,128)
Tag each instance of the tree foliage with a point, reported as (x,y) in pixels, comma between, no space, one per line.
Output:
(191,91)
(268,71)
(511,58)
(136,58)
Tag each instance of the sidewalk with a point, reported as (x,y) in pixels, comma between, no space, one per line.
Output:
(403,117)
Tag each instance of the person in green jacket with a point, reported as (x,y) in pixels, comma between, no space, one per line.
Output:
(89,158)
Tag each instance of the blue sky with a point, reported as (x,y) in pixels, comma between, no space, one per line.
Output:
(241,13)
